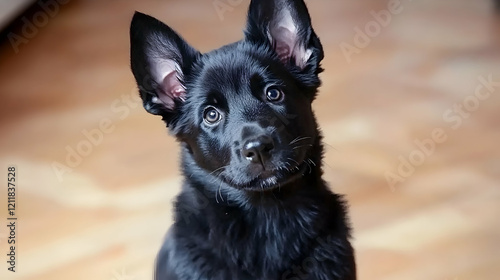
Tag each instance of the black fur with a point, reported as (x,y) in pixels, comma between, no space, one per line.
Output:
(253,204)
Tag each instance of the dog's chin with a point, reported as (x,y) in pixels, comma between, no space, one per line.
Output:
(269,180)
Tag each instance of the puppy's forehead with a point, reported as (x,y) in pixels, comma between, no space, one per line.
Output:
(230,70)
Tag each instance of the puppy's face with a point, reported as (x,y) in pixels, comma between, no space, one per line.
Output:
(243,111)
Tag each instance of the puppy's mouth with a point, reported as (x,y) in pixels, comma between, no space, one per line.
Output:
(271,179)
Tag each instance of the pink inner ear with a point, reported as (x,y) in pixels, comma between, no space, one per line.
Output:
(173,89)
(284,43)
(287,46)
(173,86)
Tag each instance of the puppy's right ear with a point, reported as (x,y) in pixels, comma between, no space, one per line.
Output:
(160,59)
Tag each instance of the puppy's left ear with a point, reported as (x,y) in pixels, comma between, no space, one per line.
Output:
(286,25)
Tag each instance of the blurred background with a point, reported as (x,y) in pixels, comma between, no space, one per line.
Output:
(409,108)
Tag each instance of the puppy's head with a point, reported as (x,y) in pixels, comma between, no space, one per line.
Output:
(242,112)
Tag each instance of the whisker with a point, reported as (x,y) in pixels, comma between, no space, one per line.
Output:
(220,193)
(330,146)
(325,163)
(297,164)
(223,167)
(301,146)
(299,138)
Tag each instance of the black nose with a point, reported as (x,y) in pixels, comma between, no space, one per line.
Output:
(258,150)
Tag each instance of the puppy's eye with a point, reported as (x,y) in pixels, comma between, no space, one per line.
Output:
(211,115)
(274,94)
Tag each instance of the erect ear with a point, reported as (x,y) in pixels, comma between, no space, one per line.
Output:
(286,25)
(159,59)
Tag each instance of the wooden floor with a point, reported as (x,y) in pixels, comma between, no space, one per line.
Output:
(418,75)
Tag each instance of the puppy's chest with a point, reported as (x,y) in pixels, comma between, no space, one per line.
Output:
(262,240)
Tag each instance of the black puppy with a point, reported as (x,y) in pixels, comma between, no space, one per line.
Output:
(253,204)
